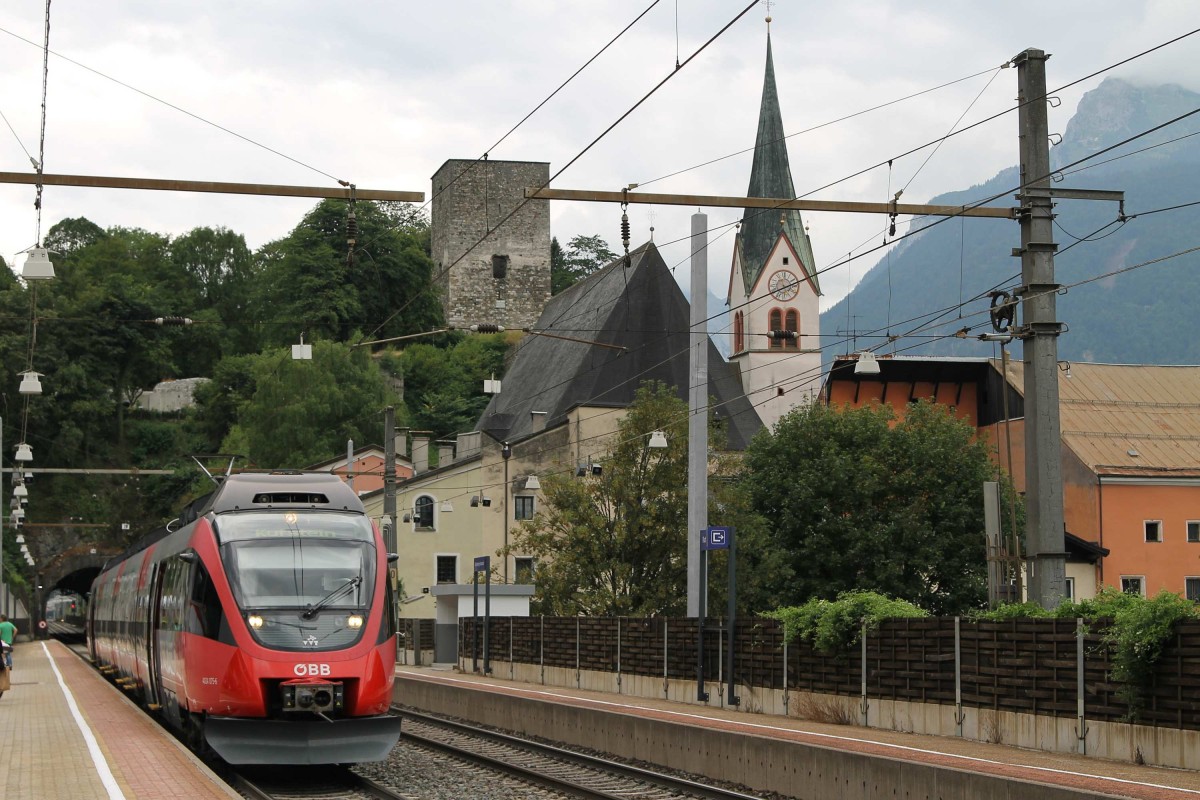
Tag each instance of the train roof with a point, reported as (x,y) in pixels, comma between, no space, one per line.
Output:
(258,490)
(262,490)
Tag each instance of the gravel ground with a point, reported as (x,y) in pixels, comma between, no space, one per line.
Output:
(422,774)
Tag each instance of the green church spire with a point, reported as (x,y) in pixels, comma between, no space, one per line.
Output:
(770,176)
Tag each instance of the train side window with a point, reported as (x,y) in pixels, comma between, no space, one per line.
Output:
(206,611)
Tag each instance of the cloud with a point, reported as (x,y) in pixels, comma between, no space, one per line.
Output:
(382,93)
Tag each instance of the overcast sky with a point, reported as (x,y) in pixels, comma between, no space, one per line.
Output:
(382,93)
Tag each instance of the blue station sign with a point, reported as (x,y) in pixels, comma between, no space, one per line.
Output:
(716,538)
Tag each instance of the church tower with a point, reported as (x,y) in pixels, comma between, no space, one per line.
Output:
(773,282)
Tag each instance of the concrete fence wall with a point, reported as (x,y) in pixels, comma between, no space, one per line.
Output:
(1042,684)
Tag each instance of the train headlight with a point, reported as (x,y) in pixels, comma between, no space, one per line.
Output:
(354,621)
(255,621)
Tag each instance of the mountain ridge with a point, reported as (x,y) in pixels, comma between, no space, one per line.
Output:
(941,273)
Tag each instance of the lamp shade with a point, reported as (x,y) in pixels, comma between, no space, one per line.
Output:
(30,383)
(302,352)
(38,266)
(658,439)
(867,364)
(24,453)
(20,491)
(18,513)
(20,538)
(532,483)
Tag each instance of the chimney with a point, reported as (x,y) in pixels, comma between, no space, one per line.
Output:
(402,443)
(420,452)
(537,421)
(445,453)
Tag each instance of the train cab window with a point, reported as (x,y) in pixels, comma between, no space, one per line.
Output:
(294,559)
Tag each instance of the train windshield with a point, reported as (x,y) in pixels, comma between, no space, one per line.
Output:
(298,560)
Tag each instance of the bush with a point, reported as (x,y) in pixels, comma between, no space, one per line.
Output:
(835,625)
(1009,611)
(1137,634)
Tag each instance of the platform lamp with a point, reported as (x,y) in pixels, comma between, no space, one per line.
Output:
(38,266)
(30,383)
(867,364)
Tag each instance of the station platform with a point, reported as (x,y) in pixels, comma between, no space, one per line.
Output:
(66,733)
(818,760)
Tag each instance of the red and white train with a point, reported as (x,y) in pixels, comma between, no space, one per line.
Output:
(262,625)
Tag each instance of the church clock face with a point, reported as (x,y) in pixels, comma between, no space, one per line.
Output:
(784,285)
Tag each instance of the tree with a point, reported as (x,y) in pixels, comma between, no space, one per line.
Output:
(584,255)
(859,501)
(615,544)
(313,283)
(301,412)
(223,270)
(443,386)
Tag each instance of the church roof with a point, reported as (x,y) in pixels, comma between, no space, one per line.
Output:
(771,176)
(640,309)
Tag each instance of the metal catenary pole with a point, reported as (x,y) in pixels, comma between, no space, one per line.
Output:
(1043,480)
(697,414)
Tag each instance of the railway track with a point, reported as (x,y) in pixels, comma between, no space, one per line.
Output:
(569,772)
(308,783)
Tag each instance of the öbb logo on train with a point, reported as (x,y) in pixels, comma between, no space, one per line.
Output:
(312,670)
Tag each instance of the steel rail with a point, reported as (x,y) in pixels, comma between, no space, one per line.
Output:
(660,780)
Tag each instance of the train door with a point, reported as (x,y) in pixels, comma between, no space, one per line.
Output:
(153,656)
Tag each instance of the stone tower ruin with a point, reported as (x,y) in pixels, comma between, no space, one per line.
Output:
(505,278)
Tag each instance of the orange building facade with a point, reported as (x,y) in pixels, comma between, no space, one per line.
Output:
(1130,455)
(365,472)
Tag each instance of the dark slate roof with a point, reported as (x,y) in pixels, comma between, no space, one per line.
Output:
(770,176)
(641,309)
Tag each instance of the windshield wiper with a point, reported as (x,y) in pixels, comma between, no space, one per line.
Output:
(312,608)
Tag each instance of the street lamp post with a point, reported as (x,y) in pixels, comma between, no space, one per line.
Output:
(506,453)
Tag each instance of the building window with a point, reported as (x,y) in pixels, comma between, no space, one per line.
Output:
(785,259)
(524,569)
(447,569)
(1193,529)
(499,267)
(775,323)
(792,323)
(739,332)
(1191,588)
(1071,589)
(423,513)
(523,507)
(1133,584)
(1153,530)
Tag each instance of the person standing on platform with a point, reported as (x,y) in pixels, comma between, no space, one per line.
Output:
(8,632)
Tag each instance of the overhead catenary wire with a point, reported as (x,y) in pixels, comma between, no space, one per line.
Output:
(547,99)
(976,124)
(180,109)
(816,127)
(577,156)
(1008,191)
(41,159)
(32,161)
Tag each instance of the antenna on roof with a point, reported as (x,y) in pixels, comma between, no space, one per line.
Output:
(217,479)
